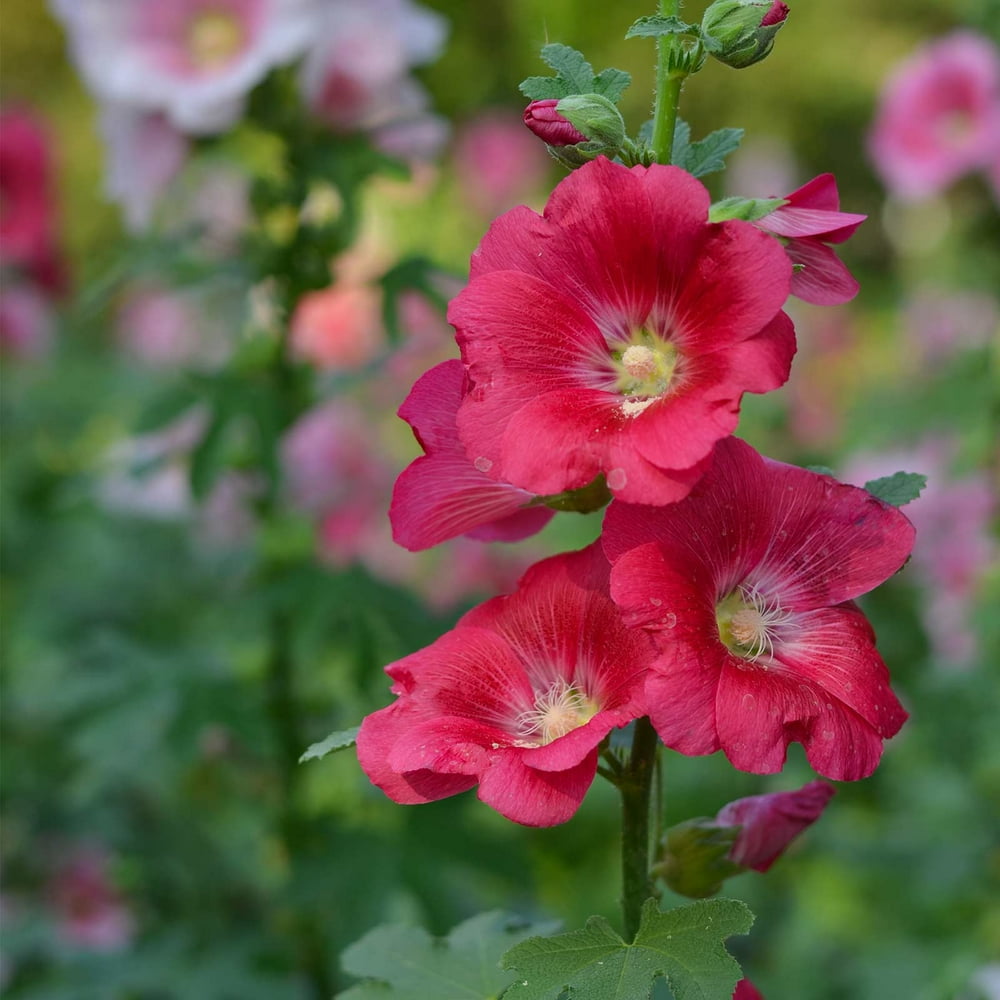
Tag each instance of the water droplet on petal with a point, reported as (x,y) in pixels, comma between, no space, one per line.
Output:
(617,478)
(670,620)
(483,464)
(655,601)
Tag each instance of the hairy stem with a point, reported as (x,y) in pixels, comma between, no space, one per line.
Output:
(635,785)
(668,90)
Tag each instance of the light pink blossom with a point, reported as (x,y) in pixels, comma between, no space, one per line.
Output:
(338,327)
(193,61)
(91,912)
(939,116)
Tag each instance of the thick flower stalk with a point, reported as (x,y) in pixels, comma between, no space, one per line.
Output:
(748,588)
(515,699)
(615,335)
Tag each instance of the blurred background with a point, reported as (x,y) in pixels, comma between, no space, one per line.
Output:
(199,444)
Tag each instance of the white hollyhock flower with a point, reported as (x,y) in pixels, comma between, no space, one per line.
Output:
(193,61)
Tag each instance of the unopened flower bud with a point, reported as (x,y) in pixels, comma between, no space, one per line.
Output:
(694,857)
(743,29)
(698,855)
(578,128)
(542,118)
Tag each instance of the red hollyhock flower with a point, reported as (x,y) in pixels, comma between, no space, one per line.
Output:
(516,697)
(812,219)
(616,334)
(27,200)
(748,586)
(442,494)
(745,990)
(769,823)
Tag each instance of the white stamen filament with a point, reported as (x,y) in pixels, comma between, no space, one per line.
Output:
(558,710)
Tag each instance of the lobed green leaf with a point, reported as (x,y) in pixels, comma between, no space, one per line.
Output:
(574,75)
(406,963)
(709,154)
(747,209)
(684,945)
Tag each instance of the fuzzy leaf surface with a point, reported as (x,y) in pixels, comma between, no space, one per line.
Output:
(335,741)
(708,155)
(574,75)
(898,489)
(406,963)
(684,945)
(657,25)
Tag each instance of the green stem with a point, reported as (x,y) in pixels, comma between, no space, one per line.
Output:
(668,90)
(635,786)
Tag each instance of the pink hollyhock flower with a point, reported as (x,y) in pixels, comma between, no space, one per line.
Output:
(939,116)
(748,586)
(616,334)
(745,990)
(26,321)
(769,823)
(91,912)
(809,221)
(516,698)
(955,543)
(194,61)
(27,201)
(498,163)
(144,155)
(338,328)
(442,494)
(163,327)
(356,77)
(944,324)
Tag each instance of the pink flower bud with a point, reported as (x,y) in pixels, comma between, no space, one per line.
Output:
(745,990)
(777,14)
(543,119)
(769,823)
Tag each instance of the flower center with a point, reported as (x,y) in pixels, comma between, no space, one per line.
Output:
(749,623)
(558,710)
(645,370)
(214,38)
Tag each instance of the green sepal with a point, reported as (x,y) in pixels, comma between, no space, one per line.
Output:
(693,858)
(585,500)
(747,209)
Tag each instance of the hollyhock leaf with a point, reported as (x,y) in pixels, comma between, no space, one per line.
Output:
(657,26)
(574,75)
(339,740)
(682,140)
(822,470)
(898,489)
(708,155)
(406,963)
(612,83)
(683,945)
(747,209)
